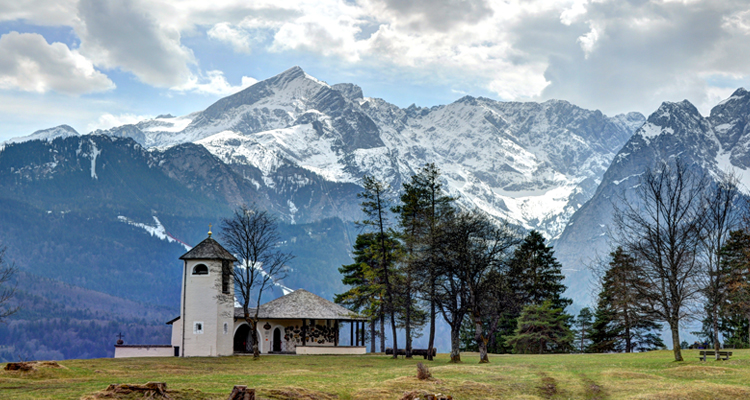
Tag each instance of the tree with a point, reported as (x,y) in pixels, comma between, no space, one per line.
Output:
(721,219)
(537,275)
(735,264)
(662,229)
(375,206)
(252,236)
(366,290)
(7,289)
(541,329)
(431,207)
(619,322)
(583,325)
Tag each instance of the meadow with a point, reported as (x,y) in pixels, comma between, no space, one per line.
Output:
(650,375)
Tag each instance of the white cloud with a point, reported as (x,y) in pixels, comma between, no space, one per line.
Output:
(107,121)
(122,34)
(29,63)
(224,32)
(214,83)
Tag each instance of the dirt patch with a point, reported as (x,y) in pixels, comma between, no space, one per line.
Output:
(548,386)
(718,392)
(151,390)
(422,395)
(629,375)
(698,371)
(295,393)
(591,389)
(27,366)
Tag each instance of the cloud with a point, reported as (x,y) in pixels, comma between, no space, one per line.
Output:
(437,15)
(214,83)
(122,34)
(29,63)
(42,12)
(107,121)
(224,32)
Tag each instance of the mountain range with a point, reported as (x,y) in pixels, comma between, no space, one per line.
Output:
(110,211)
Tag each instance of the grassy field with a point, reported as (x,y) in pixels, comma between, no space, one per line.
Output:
(590,376)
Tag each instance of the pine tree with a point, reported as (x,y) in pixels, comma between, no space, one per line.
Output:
(735,264)
(366,290)
(583,327)
(620,324)
(537,275)
(541,329)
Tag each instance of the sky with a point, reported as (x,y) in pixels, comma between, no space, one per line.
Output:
(95,64)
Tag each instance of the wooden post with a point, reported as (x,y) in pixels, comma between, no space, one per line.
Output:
(363,333)
(336,334)
(351,333)
(241,392)
(304,331)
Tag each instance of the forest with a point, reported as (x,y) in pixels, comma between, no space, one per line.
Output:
(679,253)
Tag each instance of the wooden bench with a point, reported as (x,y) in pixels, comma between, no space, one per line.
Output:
(724,355)
(414,352)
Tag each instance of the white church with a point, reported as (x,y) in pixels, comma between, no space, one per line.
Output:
(297,323)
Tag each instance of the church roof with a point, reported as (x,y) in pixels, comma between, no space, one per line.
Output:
(301,304)
(208,249)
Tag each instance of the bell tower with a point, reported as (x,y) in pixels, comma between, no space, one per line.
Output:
(207,300)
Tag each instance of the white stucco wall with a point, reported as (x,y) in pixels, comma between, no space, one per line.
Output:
(144,351)
(202,305)
(177,333)
(331,350)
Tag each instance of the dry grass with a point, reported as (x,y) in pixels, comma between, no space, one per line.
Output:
(373,377)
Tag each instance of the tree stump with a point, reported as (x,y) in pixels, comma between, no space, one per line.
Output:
(423,373)
(241,392)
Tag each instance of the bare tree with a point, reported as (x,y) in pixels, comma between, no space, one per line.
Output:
(252,236)
(721,219)
(7,289)
(662,227)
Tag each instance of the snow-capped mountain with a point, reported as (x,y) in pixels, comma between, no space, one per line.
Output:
(719,144)
(49,134)
(532,163)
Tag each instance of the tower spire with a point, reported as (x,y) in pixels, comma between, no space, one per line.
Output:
(209,230)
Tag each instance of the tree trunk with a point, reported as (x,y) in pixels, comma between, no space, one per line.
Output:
(455,343)
(382,330)
(408,321)
(715,317)
(431,343)
(256,348)
(481,340)
(395,339)
(675,327)
(372,336)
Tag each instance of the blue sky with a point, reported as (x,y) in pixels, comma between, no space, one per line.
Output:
(100,63)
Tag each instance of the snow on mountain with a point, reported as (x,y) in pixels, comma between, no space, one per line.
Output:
(50,134)
(718,144)
(532,163)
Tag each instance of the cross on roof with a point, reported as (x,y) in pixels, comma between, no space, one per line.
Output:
(120,336)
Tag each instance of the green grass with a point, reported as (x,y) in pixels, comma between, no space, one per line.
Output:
(590,376)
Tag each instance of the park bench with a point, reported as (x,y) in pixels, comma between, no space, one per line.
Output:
(724,355)
(414,352)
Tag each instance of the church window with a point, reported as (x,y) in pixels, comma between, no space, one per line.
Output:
(226,328)
(200,269)
(198,327)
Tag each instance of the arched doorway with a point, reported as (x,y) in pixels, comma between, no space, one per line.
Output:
(242,340)
(277,340)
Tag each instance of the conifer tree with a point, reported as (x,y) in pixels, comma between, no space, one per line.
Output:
(620,323)
(366,290)
(537,275)
(541,329)
(735,264)
(583,324)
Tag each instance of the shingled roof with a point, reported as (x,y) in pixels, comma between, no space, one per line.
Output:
(208,249)
(302,304)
